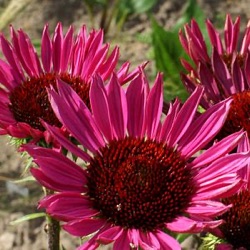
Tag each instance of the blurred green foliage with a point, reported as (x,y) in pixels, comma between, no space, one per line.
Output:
(116,12)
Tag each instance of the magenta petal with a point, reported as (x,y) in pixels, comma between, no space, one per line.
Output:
(218,150)
(56,133)
(214,37)
(46,50)
(74,114)
(166,241)
(154,107)
(136,106)
(31,59)
(100,107)
(225,165)
(117,107)
(69,206)
(122,241)
(57,48)
(187,225)
(211,89)
(185,116)
(222,73)
(59,169)
(181,224)
(96,62)
(149,241)
(11,58)
(207,208)
(84,227)
(6,76)
(110,235)
(169,121)
(204,128)
(109,65)
(66,49)
(238,77)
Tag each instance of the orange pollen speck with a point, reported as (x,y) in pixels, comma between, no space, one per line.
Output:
(139,183)
(29,101)
(236,228)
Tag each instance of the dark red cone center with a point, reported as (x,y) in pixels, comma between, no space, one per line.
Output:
(236,228)
(29,101)
(138,183)
(239,115)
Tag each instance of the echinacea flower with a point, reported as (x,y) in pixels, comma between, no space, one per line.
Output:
(235,231)
(25,76)
(224,72)
(141,181)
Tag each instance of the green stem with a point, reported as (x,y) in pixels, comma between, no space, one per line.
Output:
(53,229)
(53,234)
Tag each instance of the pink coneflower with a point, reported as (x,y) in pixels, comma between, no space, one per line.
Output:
(235,231)
(24,77)
(141,182)
(224,72)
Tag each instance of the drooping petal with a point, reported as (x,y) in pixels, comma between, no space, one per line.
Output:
(56,133)
(166,241)
(84,227)
(69,206)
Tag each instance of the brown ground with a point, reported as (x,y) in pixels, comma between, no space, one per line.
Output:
(17,200)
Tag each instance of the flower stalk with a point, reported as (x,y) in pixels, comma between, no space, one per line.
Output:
(52,229)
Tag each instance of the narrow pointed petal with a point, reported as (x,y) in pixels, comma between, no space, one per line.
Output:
(46,50)
(154,107)
(166,241)
(69,206)
(185,116)
(84,227)
(100,107)
(56,133)
(136,106)
(117,107)
(12,60)
(67,49)
(214,37)
(110,235)
(222,73)
(204,129)
(57,48)
(73,113)
(218,150)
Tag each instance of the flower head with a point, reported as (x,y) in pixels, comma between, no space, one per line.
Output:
(25,76)
(141,179)
(224,72)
